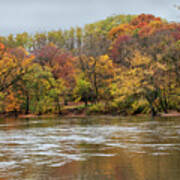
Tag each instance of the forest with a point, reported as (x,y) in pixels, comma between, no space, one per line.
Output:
(123,65)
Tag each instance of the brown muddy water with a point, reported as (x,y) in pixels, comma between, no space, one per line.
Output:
(91,148)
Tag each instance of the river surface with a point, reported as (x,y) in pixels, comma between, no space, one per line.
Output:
(91,148)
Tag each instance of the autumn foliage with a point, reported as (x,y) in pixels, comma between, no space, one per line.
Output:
(122,65)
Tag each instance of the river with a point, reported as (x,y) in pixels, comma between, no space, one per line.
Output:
(91,148)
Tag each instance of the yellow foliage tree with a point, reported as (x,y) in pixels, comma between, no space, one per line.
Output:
(144,79)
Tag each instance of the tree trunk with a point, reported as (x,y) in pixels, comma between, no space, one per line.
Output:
(96,88)
(58,107)
(27,104)
(15,113)
(65,102)
(153,111)
(86,103)
(150,101)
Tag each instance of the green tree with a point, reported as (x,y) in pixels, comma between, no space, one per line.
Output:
(83,91)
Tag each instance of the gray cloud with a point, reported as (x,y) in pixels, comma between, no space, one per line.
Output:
(42,15)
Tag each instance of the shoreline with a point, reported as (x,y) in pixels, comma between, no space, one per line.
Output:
(83,114)
(175,114)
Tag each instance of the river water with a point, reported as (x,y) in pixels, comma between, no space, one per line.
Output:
(92,148)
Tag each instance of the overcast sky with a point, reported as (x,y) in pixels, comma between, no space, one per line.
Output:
(17,16)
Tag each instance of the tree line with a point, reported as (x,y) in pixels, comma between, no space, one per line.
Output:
(125,64)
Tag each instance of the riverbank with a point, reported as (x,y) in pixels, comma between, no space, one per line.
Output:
(171,114)
(82,114)
(79,110)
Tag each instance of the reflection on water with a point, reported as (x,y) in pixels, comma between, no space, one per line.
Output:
(90,148)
